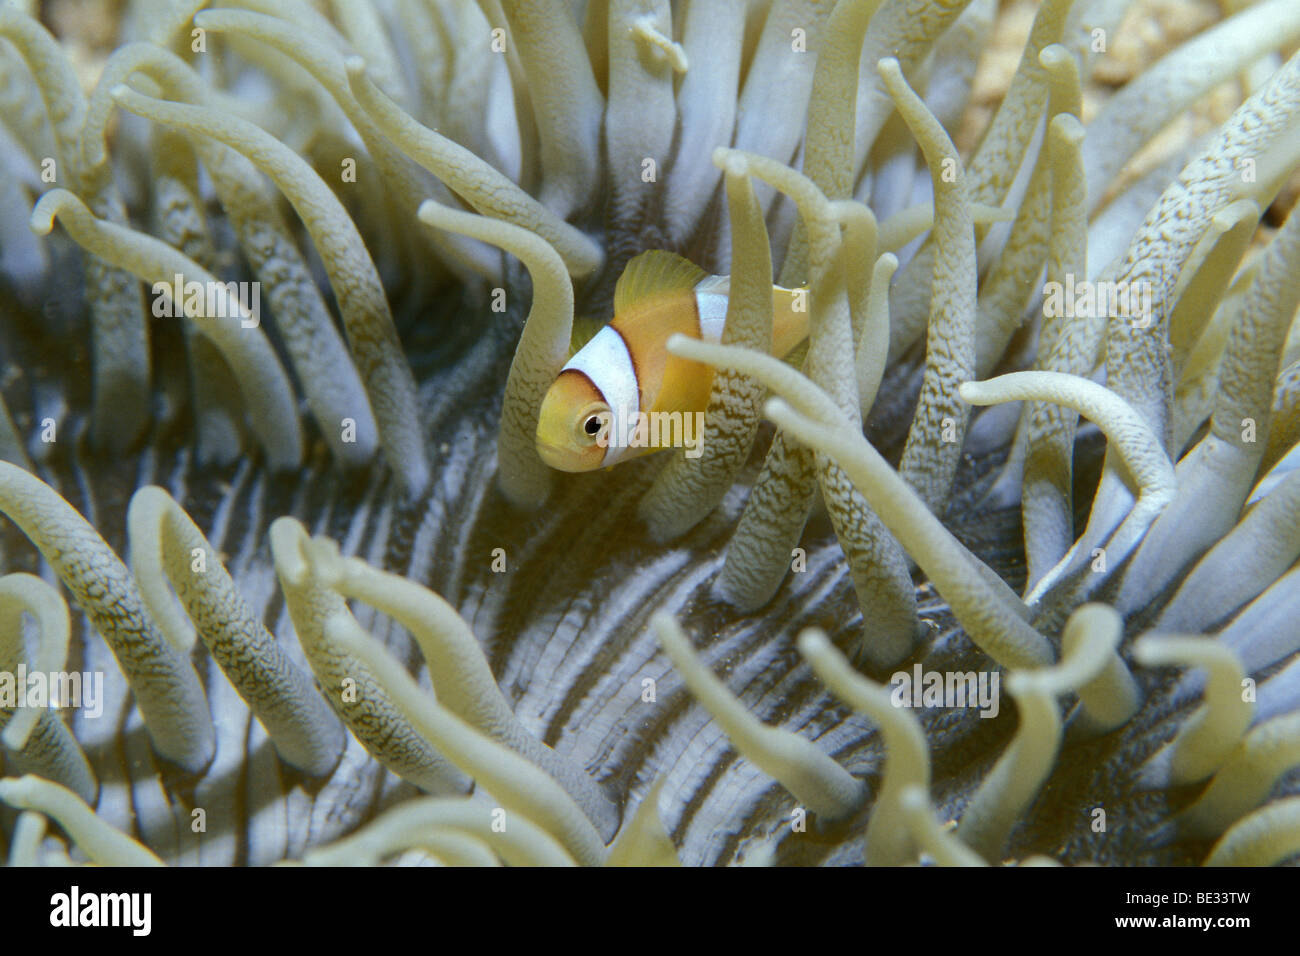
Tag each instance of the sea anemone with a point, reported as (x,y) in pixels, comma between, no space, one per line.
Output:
(679,659)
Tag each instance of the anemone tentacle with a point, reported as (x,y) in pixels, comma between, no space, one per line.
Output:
(163,681)
(36,740)
(97,839)
(366,313)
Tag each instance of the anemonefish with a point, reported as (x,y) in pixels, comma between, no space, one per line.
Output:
(625,373)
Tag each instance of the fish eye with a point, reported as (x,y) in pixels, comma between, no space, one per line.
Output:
(590,423)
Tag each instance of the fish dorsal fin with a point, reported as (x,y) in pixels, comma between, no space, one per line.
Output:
(652,272)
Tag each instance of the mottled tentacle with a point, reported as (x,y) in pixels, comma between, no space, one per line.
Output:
(522,787)
(1217,474)
(264,385)
(165,686)
(37,739)
(934,442)
(688,489)
(566,103)
(120,410)
(1068,346)
(167,547)
(366,315)
(541,353)
(461,677)
(991,612)
(816,781)
(355,692)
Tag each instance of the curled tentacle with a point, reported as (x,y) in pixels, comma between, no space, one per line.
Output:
(39,742)
(167,547)
(95,838)
(1206,738)
(166,688)
(816,780)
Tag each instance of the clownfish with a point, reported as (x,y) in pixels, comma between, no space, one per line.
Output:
(625,373)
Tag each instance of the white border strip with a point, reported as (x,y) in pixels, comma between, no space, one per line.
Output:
(608,363)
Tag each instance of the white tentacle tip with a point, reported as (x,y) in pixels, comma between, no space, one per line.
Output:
(731,161)
(1068,128)
(680,345)
(889,68)
(435,214)
(1152,650)
(1052,55)
(41,220)
(356,67)
(777,409)
(288,541)
(812,642)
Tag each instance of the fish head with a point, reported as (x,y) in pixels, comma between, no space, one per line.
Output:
(574,424)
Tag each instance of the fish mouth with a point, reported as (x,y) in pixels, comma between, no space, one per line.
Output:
(561,459)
